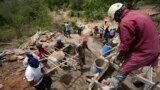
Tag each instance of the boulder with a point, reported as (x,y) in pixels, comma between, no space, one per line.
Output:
(12,58)
(44,38)
(56,56)
(20,57)
(18,51)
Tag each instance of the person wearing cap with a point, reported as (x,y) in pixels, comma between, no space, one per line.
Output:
(36,76)
(81,51)
(59,44)
(29,55)
(139,45)
(42,53)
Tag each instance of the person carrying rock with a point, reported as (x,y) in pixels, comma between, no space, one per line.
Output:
(139,45)
(36,76)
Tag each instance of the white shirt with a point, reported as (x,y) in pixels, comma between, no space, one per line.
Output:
(34,74)
(25,61)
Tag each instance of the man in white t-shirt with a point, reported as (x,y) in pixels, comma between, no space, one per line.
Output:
(36,77)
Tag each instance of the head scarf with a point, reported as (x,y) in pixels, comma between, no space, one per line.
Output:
(33,62)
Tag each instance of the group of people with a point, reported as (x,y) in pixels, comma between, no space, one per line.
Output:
(36,63)
(35,73)
(104,32)
(138,47)
(36,66)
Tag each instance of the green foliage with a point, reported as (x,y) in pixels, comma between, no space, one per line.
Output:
(20,18)
(21,15)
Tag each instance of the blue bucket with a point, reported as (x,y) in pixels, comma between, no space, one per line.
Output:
(105,50)
(97,66)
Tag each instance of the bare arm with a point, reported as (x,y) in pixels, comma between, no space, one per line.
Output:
(88,48)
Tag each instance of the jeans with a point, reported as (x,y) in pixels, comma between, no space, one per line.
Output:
(82,61)
(117,80)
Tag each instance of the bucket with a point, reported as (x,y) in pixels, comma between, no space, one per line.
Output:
(98,66)
(105,50)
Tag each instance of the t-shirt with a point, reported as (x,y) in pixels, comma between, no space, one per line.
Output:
(25,61)
(39,53)
(34,74)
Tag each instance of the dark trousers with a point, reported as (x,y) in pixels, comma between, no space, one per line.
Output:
(68,33)
(45,83)
(64,31)
(82,61)
(100,35)
(79,31)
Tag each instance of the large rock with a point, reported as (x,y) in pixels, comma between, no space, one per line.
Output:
(12,58)
(18,51)
(44,38)
(20,57)
(56,56)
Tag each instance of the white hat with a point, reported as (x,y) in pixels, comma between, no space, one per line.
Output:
(113,9)
(58,39)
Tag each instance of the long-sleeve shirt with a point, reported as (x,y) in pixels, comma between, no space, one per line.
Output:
(139,39)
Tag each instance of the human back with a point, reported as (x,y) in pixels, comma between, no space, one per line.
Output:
(143,29)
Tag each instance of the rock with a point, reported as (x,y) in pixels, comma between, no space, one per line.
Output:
(44,38)
(56,56)
(1,86)
(106,82)
(21,69)
(12,58)
(19,51)
(20,57)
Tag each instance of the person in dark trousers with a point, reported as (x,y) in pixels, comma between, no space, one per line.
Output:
(36,76)
(96,30)
(112,33)
(79,29)
(67,28)
(139,43)
(81,52)
(106,32)
(64,29)
(101,32)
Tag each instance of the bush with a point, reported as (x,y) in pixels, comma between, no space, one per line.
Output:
(17,14)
